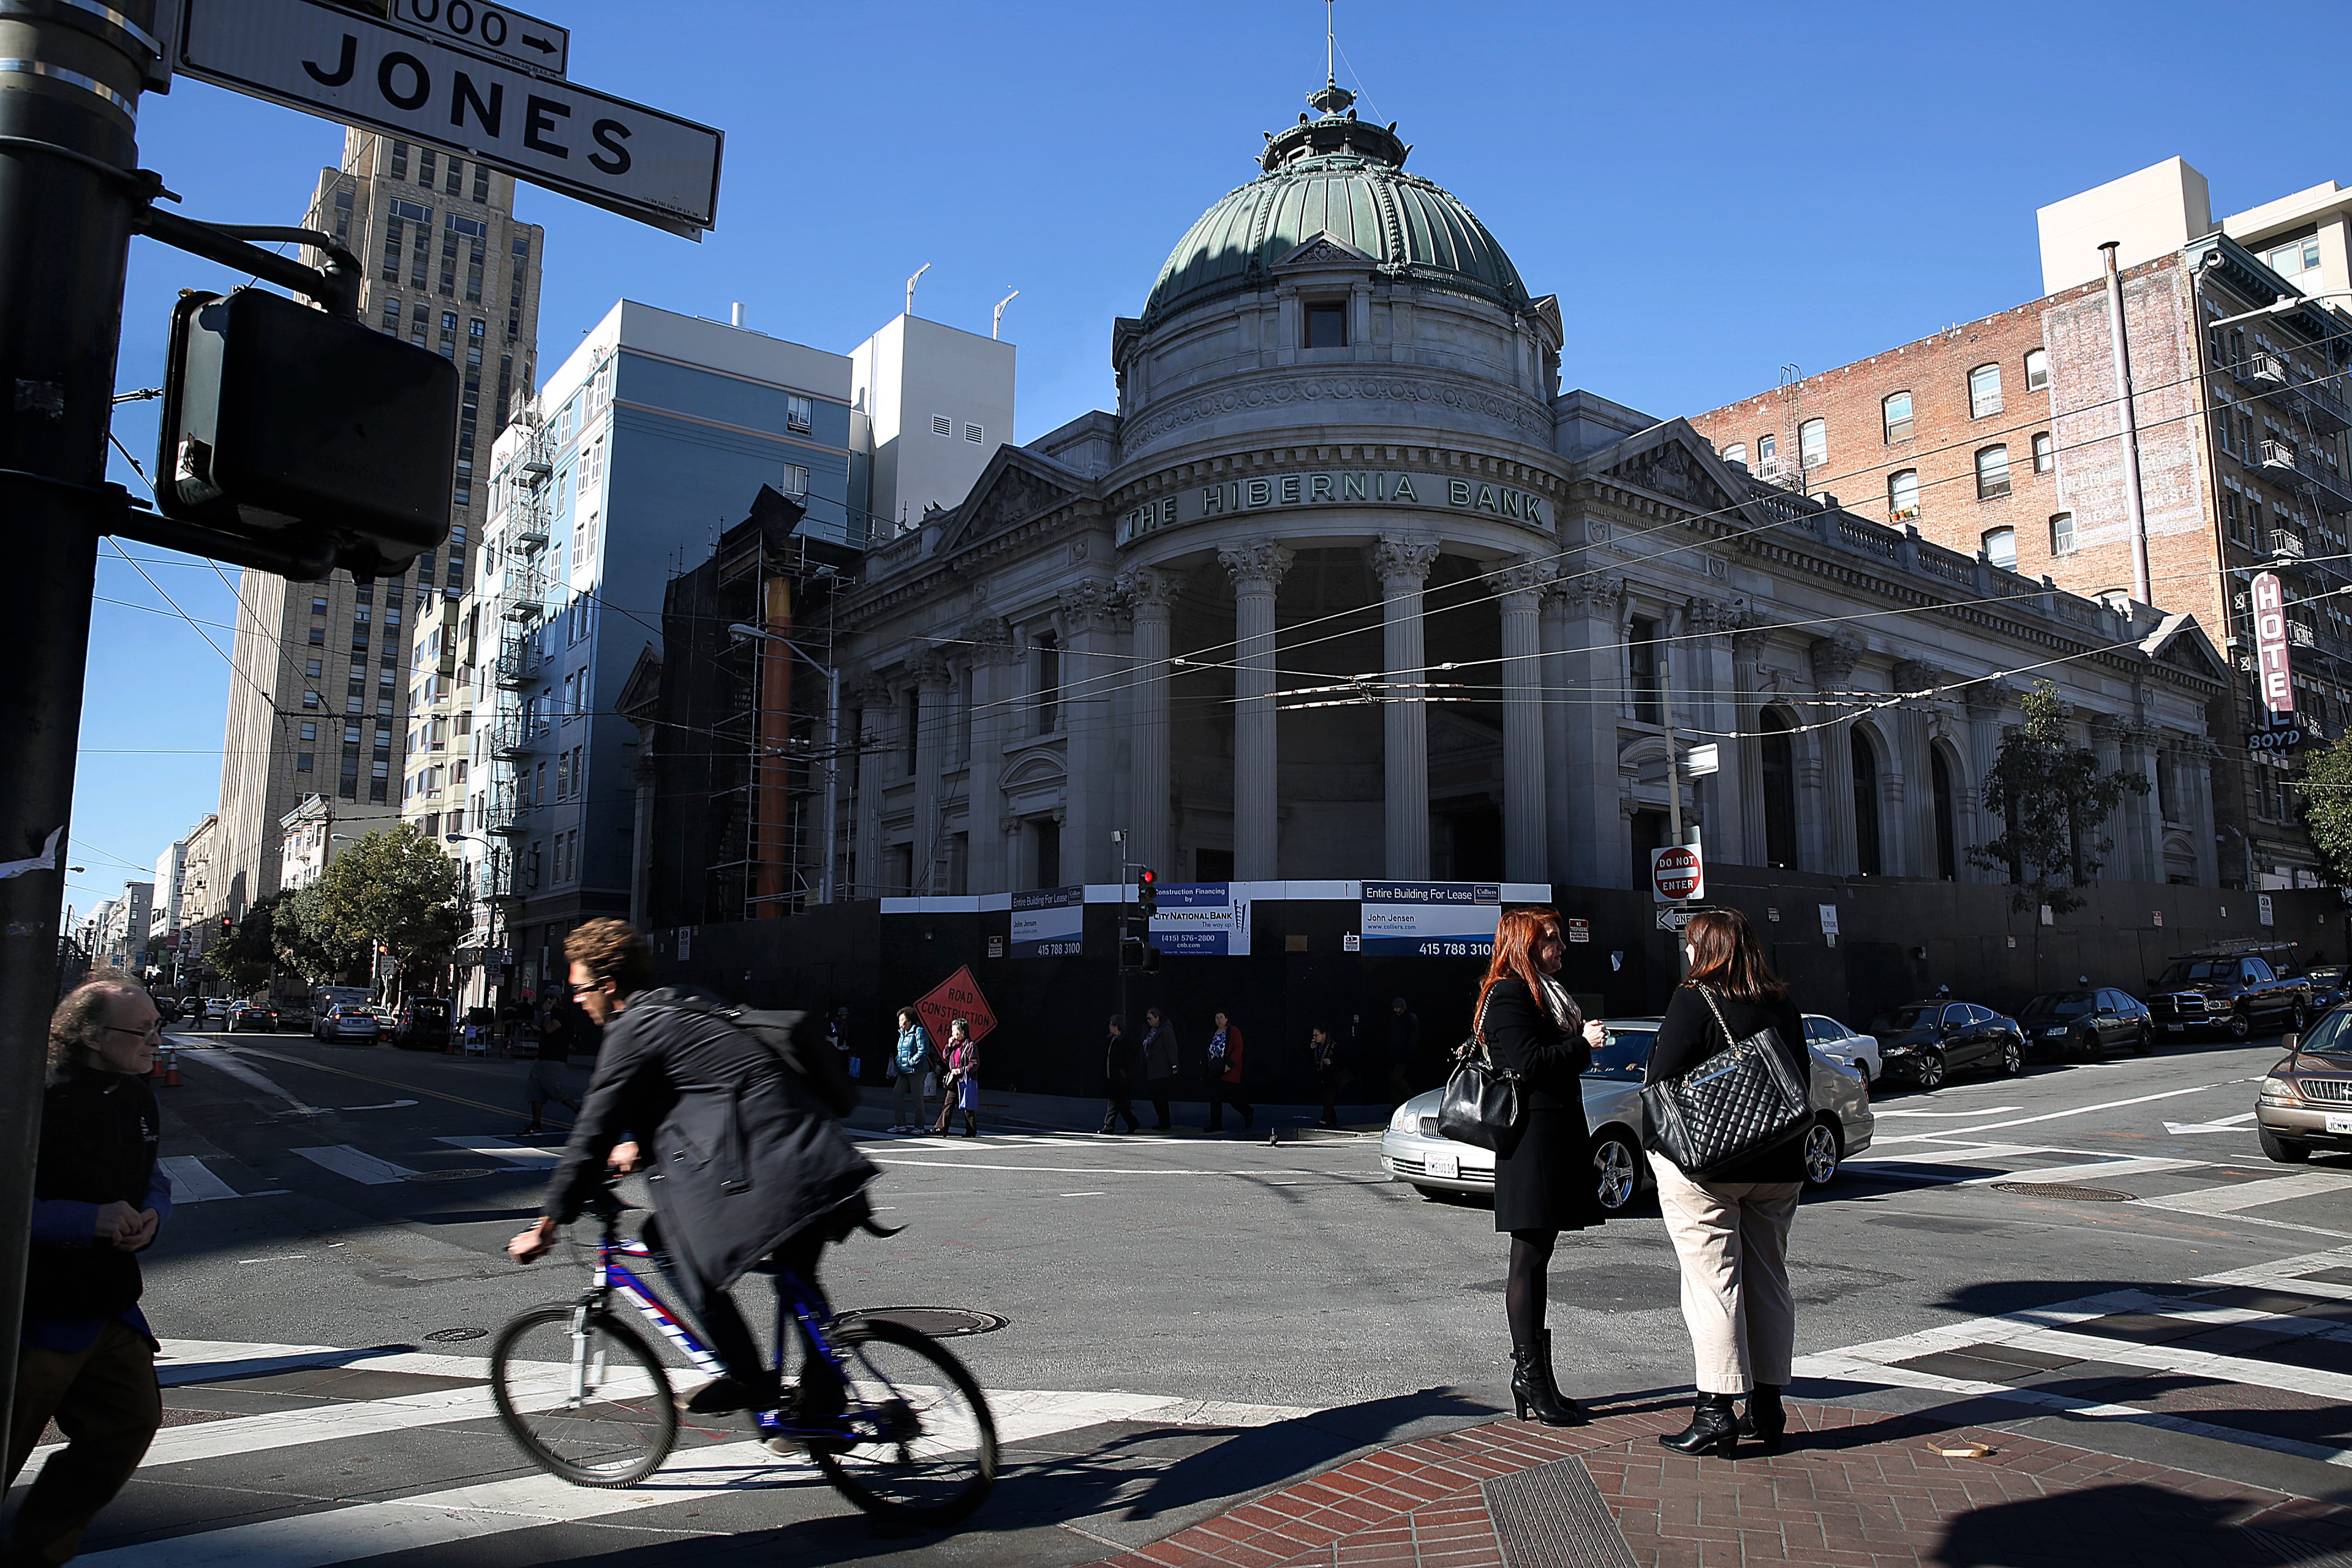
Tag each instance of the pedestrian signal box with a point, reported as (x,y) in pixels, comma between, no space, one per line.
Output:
(299,441)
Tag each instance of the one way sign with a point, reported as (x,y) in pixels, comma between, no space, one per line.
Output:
(357,71)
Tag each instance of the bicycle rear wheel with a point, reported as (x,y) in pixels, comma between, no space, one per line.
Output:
(927,1449)
(582,1395)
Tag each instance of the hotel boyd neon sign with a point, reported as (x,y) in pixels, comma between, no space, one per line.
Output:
(1274,492)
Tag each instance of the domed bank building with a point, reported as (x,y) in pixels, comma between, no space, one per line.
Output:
(1347,589)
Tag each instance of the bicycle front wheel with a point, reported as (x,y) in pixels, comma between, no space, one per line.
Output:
(584,1396)
(925,1445)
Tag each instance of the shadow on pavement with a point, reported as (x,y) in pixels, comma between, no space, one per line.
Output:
(2127,1523)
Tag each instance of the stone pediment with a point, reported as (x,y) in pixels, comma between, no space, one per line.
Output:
(2181,644)
(1672,461)
(1323,249)
(1017,486)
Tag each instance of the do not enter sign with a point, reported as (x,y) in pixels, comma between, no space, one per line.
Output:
(1676,873)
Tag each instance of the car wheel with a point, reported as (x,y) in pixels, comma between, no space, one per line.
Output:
(2240,1025)
(2143,1043)
(1823,1151)
(1929,1067)
(2285,1151)
(2295,1018)
(1617,1172)
(2013,1059)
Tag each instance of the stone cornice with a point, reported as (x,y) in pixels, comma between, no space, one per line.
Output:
(1353,393)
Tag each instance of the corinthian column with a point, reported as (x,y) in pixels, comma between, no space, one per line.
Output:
(995,687)
(1520,589)
(931,730)
(1256,569)
(873,698)
(1091,671)
(1402,565)
(1833,662)
(1151,596)
(1747,753)
(1597,850)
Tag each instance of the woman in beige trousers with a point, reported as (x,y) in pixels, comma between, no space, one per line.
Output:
(1731,1231)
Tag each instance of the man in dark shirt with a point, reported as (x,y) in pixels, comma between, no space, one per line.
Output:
(86,1359)
(1405,1069)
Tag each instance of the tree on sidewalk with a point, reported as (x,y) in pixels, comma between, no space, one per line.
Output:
(396,892)
(310,944)
(2326,791)
(2053,800)
(245,954)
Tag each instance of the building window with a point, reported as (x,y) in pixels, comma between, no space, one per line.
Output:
(2045,455)
(796,480)
(1767,448)
(1902,495)
(481,182)
(2037,369)
(318,637)
(425,167)
(2001,548)
(311,668)
(943,425)
(392,316)
(310,699)
(449,186)
(1992,473)
(311,726)
(974,434)
(1642,667)
(302,761)
(400,160)
(2296,255)
(1327,326)
(1895,413)
(796,413)
(1049,682)
(1737,453)
(1813,443)
(2061,532)
(1984,391)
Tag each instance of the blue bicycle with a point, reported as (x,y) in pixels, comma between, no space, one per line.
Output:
(900,1429)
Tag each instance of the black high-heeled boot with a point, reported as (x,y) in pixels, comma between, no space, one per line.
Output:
(1531,1387)
(1765,1419)
(1713,1429)
(1577,1414)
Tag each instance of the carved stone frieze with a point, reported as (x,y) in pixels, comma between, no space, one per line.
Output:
(1326,396)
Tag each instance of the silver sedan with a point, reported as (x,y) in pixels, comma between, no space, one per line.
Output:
(1413,1151)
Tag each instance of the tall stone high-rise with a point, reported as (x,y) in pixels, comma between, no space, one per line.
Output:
(348,690)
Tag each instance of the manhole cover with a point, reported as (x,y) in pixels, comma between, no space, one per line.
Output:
(465,1174)
(2063,1193)
(939,1322)
(452,1336)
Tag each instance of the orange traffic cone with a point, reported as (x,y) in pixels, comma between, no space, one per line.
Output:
(171,1070)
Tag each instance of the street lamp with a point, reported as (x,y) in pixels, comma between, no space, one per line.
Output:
(832,674)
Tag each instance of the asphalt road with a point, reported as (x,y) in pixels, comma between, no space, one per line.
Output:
(1319,1305)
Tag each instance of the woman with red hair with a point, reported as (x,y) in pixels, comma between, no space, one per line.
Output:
(1544,1182)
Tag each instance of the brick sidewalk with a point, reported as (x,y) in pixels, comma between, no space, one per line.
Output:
(1852,1488)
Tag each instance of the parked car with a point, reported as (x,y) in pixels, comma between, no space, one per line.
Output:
(2236,991)
(2086,1022)
(1413,1150)
(1835,1040)
(2328,985)
(422,1024)
(2305,1099)
(1925,1042)
(216,1015)
(253,1016)
(345,1022)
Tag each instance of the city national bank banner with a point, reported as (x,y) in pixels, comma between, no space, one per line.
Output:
(1048,922)
(1202,918)
(1431,920)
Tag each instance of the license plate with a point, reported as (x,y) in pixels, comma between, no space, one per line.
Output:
(2174,1028)
(1450,1165)
(2339,1121)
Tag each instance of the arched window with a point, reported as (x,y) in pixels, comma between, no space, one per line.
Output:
(1737,453)
(2037,369)
(1902,495)
(1780,793)
(1813,443)
(1947,835)
(1896,412)
(1992,472)
(1866,804)
(1767,448)
(1984,391)
(2000,547)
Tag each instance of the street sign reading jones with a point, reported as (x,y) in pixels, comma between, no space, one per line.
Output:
(311,56)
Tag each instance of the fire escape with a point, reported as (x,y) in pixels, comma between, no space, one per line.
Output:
(518,608)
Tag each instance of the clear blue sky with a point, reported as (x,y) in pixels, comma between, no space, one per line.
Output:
(1712,191)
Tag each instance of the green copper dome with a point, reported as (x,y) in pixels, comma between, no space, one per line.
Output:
(1345,176)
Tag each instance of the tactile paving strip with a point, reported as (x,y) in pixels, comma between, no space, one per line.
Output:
(1553,1517)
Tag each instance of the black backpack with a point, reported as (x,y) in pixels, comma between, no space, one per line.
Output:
(796,1042)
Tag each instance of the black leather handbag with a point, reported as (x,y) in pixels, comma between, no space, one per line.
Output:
(1743,1103)
(1484,1105)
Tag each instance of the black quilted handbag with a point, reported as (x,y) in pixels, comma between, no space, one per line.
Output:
(1745,1101)
(1482,1104)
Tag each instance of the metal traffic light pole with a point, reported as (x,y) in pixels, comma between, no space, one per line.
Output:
(69,87)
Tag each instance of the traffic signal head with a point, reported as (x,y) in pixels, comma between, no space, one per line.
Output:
(1147,892)
(227,925)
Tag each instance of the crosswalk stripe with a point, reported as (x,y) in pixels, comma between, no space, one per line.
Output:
(2089,1170)
(2253,1195)
(356,1164)
(192,1181)
(514,1154)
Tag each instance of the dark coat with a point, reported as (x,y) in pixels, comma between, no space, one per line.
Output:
(1688,1036)
(98,1142)
(1160,1054)
(1547,1180)
(1122,1061)
(744,1154)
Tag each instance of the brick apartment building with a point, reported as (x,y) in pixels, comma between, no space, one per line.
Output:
(2003,437)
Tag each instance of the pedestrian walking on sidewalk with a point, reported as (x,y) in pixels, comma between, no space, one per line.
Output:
(1323,1053)
(960,1087)
(550,1081)
(86,1358)
(1406,1069)
(1225,1076)
(1123,1063)
(1544,1182)
(1160,1062)
(913,1061)
(1730,1230)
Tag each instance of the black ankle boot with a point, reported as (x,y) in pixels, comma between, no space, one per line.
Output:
(1531,1387)
(1765,1419)
(1713,1429)
(1577,1414)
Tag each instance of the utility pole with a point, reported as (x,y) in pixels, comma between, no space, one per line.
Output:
(69,85)
(2135,507)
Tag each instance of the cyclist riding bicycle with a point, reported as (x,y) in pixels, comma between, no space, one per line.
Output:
(752,1169)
